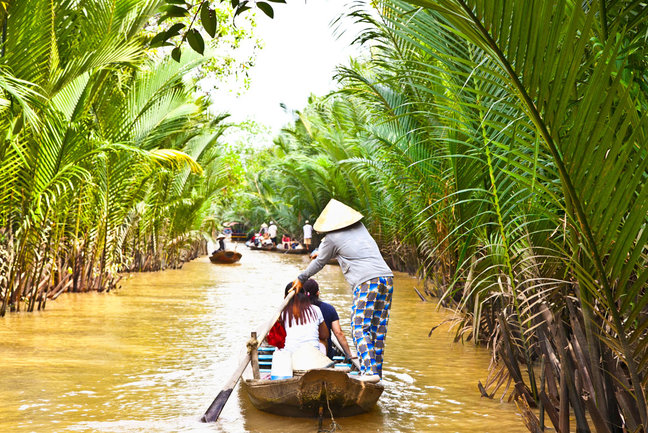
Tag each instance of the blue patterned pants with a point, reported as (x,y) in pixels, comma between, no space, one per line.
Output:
(369,319)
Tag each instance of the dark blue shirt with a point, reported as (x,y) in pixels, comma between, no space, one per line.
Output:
(330,316)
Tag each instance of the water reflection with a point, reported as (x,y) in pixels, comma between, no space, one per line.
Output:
(151,356)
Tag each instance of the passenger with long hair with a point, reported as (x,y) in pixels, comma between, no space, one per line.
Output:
(304,322)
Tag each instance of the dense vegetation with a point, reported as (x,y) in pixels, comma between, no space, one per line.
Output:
(108,160)
(499,147)
(496,147)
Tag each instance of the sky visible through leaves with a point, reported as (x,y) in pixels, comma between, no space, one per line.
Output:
(300,52)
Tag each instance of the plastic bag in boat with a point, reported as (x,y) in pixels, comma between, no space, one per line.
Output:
(281,365)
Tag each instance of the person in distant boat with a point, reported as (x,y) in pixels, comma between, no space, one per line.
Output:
(221,242)
(371,280)
(285,240)
(331,319)
(264,229)
(272,230)
(266,241)
(308,234)
(303,322)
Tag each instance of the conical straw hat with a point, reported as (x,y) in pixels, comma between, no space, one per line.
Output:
(307,357)
(335,216)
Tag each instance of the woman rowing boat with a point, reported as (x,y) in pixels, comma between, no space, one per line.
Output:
(348,241)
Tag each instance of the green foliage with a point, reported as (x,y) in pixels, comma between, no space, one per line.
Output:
(186,15)
(208,20)
(502,142)
(108,163)
(195,41)
(266,8)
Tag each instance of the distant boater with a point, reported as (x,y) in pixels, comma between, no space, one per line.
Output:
(221,242)
(308,235)
(348,241)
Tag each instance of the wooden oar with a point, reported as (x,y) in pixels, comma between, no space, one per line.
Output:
(215,409)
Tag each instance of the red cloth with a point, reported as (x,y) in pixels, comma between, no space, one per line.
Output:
(277,335)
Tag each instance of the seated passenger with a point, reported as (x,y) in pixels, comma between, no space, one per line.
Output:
(303,322)
(221,242)
(285,240)
(331,318)
(266,241)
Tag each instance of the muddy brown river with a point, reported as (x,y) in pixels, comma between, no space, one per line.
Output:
(152,355)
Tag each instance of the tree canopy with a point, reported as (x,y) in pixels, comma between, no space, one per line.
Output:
(495,147)
(108,161)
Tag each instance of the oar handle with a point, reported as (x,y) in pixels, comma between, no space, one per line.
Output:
(215,409)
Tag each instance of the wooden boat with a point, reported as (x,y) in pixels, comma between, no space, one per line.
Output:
(265,248)
(225,257)
(291,250)
(317,392)
(303,396)
(312,393)
(251,246)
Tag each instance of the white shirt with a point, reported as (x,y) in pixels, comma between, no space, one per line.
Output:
(272,230)
(307,333)
(308,231)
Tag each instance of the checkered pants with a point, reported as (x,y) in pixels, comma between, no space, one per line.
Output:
(369,318)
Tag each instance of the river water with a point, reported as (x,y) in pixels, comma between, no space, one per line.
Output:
(152,355)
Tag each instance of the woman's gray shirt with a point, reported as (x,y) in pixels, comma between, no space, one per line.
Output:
(356,252)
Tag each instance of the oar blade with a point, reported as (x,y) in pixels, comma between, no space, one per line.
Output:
(215,409)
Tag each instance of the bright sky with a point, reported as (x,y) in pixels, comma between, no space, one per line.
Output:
(300,52)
